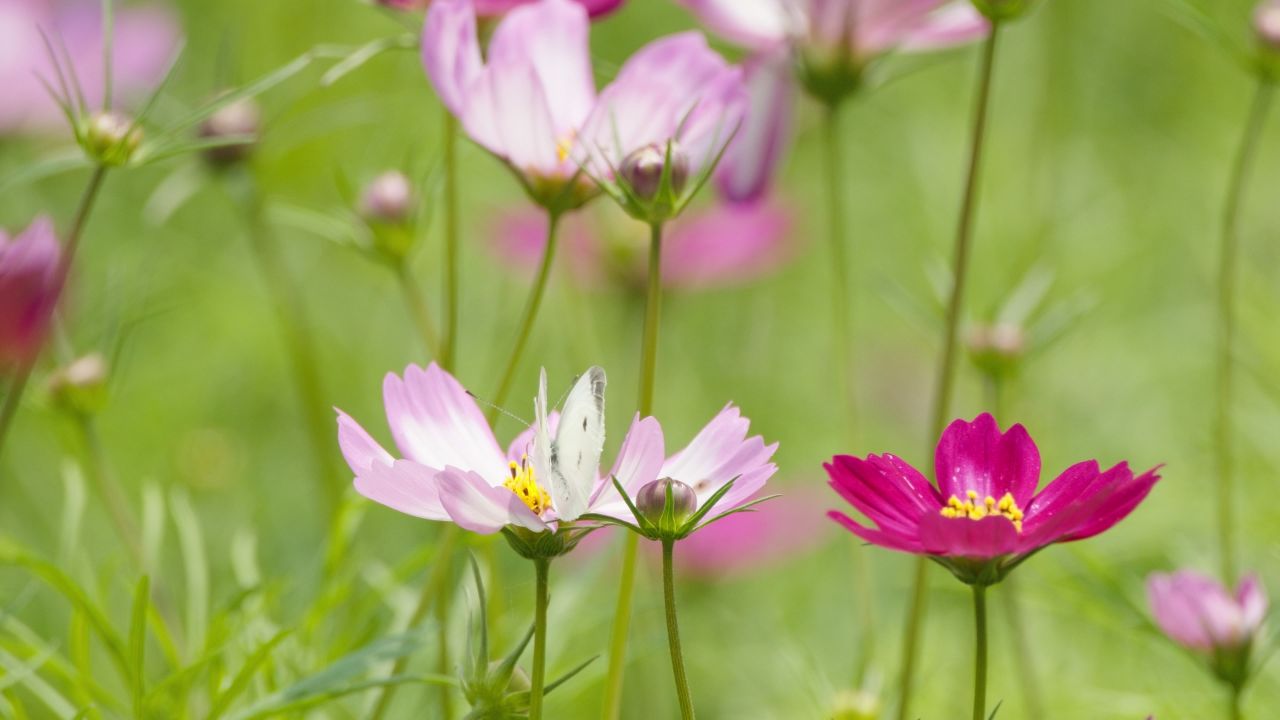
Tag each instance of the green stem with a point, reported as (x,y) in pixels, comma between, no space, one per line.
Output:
(673,630)
(841,292)
(532,304)
(19,383)
(626,584)
(449,350)
(105,486)
(433,589)
(1228,269)
(1236,702)
(541,568)
(980,652)
(946,368)
(418,310)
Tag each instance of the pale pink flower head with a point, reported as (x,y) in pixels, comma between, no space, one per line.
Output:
(1266,22)
(144,41)
(495,8)
(722,245)
(452,469)
(531,98)
(1198,613)
(984,516)
(30,281)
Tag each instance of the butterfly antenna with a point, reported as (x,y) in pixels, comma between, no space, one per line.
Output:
(502,410)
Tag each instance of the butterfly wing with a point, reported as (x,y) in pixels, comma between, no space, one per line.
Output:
(575,455)
(542,450)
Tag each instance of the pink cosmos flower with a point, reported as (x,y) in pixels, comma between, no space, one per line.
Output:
(1266,21)
(835,40)
(722,245)
(984,517)
(144,43)
(1198,613)
(30,279)
(494,8)
(532,101)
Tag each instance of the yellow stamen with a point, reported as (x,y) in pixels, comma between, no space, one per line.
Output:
(524,484)
(564,146)
(972,509)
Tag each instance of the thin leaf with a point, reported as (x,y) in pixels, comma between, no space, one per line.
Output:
(191,543)
(710,503)
(55,164)
(364,54)
(138,642)
(567,676)
(328,695)
(253,89)
(43,691)
(241,681)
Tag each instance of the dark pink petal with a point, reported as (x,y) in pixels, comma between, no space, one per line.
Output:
(1074,484)
(30,283)
(890,540)
(436,423)
(988,538)
(476,506)
(977,456)
(1119,503)
(878,492)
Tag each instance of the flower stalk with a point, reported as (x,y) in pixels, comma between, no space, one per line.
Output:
(673,629)
(418,311)
(946,367)
(449,348)
(532,305)
(980,652)
(841,295)
(541,568)
(1228,270)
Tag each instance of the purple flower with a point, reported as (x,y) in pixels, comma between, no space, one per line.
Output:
(722,245)
(30,280)
(531,100)
(1199,614)
(144,42)
(984,517)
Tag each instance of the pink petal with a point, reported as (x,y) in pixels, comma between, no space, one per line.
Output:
(30,283)
(481,508)
(403,485)
(728,243)
(757,24)
(550,37)
(1251,597)
(495,8)
(358,447)
(748,167)
(1196,611)
(519,238)
(891,495)
(507,113)
(451,51)
(1125,497)
(774,532)
(437,424)
(977,456)
(880,25)
(990,537)
(639,460)
(892,541)
(720,452)
(955,24)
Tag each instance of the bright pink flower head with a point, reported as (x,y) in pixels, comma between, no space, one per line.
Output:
(1198,613)
(145,39)
(719,246)
(452,468)
(30,279)
(985,516)
(532,101)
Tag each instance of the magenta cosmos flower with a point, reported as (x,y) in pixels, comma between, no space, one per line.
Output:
(725,244)
(1200,614)
(452,468)
(145,39)
(30,279)
(531,99)
(834,41)
(984,517)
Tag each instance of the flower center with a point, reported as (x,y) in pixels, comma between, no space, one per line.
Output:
(525,485)
(564,145)
(971,508)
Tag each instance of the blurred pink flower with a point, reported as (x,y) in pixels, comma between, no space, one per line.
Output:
(1198,613)
(1266,21)
(30,279)
(777,530)
(494,8)
(144,43)
(532,101)
(453,469)
(722,245)
(985,516)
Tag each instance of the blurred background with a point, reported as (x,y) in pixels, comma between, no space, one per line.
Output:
(1112,135)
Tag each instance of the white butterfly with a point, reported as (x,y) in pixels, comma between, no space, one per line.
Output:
(570,462)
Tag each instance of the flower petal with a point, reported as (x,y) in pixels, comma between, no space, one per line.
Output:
(750,163)
(892,541)
(955,24)
(403,485)
(522,445)
(508,114)
(1195,611)
(437,424)
(756,24)
(451,51)
(720,452)
(639,460)
(892,495)
(727,243)
(977,456)
(1251,597)
(990,537)
(550,37)
(481,508)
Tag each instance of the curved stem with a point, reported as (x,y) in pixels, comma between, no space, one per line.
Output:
(946,367)
(648,371)
(532,304)
(841,292)
(106,487)
(541,568)
(418,310)
(1228,269)
(19,383)
(980,652)
(673,630)
(449,349)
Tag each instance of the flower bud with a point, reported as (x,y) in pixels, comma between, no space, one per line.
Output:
(1266,22)
(388,199)
(111,138)
(997,349)
(643,170)
(855,705)
(30,281)
(651,501)
(80,387)
(241,118)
